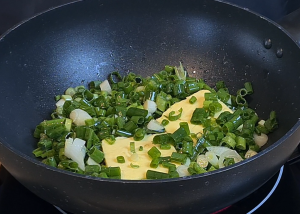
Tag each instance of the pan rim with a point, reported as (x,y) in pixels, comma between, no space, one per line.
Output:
(17,25)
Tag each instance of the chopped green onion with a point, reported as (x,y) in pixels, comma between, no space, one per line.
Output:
(154,163)
(96,154)
(162,139)
(220,84)
(139,134)
(173,174)
(194,168)
(50,161)
(154,152)
(214,107)
(90,169)
(180,72)
(138,119)
(120,121)
(233,124)
(211,168)
(211,96)
(178,157)
(228,141)
(110,139)
(242,92)
(130,126)
(165,146)
(173,117)
(192,87)
(261,129)
(129,106)
(192,100)
(199,116)
(68,124)
(241,101)
(115,75)
(271,123)
(187,148)
(134,166)
(90,122)
(248,87)
(223,95)
(169,69)
(161,101)
(228,161)
(132,147)
(132,111)
(165,122)
(57,97)
(240,143)
(112,171)
(102,175)
(200,146)
(185,125)
(150,174)
(179,134)
(223,117)
(120,159)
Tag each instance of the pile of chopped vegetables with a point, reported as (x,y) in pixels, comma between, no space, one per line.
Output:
(130,107)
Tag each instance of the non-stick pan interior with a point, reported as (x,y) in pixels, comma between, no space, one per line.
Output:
(84,41)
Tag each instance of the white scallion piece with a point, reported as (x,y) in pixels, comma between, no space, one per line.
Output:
(212,158)
(90,161)
(79,116)
(105,86)
(75,150)
(250,153)
(261,139)
(150,105)
(218,150)
(202,161)
(154,125)
(183,170)
(229,102)
(148,115)
(229,154)
(180,72)
(187,162)
(261,122)
(66,97)
(60,103)
(140,88)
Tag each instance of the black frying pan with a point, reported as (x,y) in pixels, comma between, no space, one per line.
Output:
(84,41)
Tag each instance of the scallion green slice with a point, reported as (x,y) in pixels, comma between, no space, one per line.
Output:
(173,117)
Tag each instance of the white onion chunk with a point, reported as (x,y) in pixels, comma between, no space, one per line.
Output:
(75,150)
(78,116)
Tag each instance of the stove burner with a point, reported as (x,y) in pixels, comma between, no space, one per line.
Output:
(270,193)
(60,210)
(224,210)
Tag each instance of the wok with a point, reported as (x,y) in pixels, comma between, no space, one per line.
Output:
(83,41)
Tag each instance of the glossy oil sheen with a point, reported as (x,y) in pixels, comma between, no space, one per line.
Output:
(87,40)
